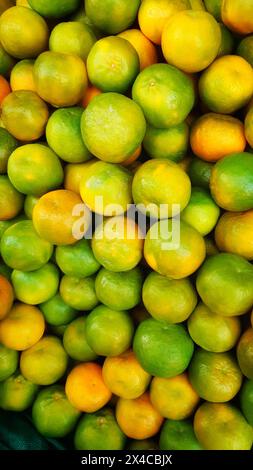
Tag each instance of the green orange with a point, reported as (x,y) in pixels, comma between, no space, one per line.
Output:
(237,15)
(218,89)
(221,426)
(107,188)
(22,248)
(9,362)
(231,278)
(6,62)
(75,343)
(245,353)
(165,94)
(202,212)
(77,260)
(174,397)
(112,17)
(52,413)
(174,250)
(109,332)
(200,172)
(17,27)
(72,37)
(117,244)
(171,143)
(60,79)
(55,8)
(17,393)
(161,188)
(8,144)
(167,299)
(99,431)
(213,332)
(24,115)
(45,362)
(117,115)
(245,49)
(233,233)
(249,126)
(11,201)
(216,377)
(163,350)
(6,291)
(232,182)
(38,286)
(178,435)
(79,293)
(119,290)
(57,312)
(113,64)
(63,135)
(246,400)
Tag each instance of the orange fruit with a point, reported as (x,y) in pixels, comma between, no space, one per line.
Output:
(72,37)
(60,79)
(54,8)
(11,201)
(6,295)
(145,49)
(22,327)
(53,216)
(233,233)
(74,173)
(133,157)
(112,16)
(124,375)
(153,15)
(4,88)
(86,389)
(24,33)
(24,115)
(22,76)
(173,398)
(90,93)
(227,84)
(138,418)
(249,126)
(191,40)
(213,136)
(237,15)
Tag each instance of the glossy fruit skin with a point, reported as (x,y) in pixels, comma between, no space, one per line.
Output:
(39,368)
(175,261)
(60,79)
(246,400)
(7,295)
(145,49)
(38,286)
(119,291)
(115,109)
(233,172)
(75,343)
(245,353)
(9,362)
(99,431)
(57,312)
(237,16)
(52,414)
(109,332)
(25,115)
(17,26)
(11,201)
(113,16)
(202,213)
(113,64)
(17,393)
(213,332)
(168,300)
(54,9)
(156,345)
(216,377)
(221,426)
(64,135)
(137,418)
(86,389)
(229,275)
(233,233)
(162,82)
(72,37)
(178,435)
(181,43)
(8,144)
(124,375)
(171,143)
(79,293)
(77,260)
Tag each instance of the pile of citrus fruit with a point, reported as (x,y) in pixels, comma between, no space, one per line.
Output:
(120,335)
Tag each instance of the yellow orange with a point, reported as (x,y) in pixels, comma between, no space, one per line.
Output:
(144,47)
